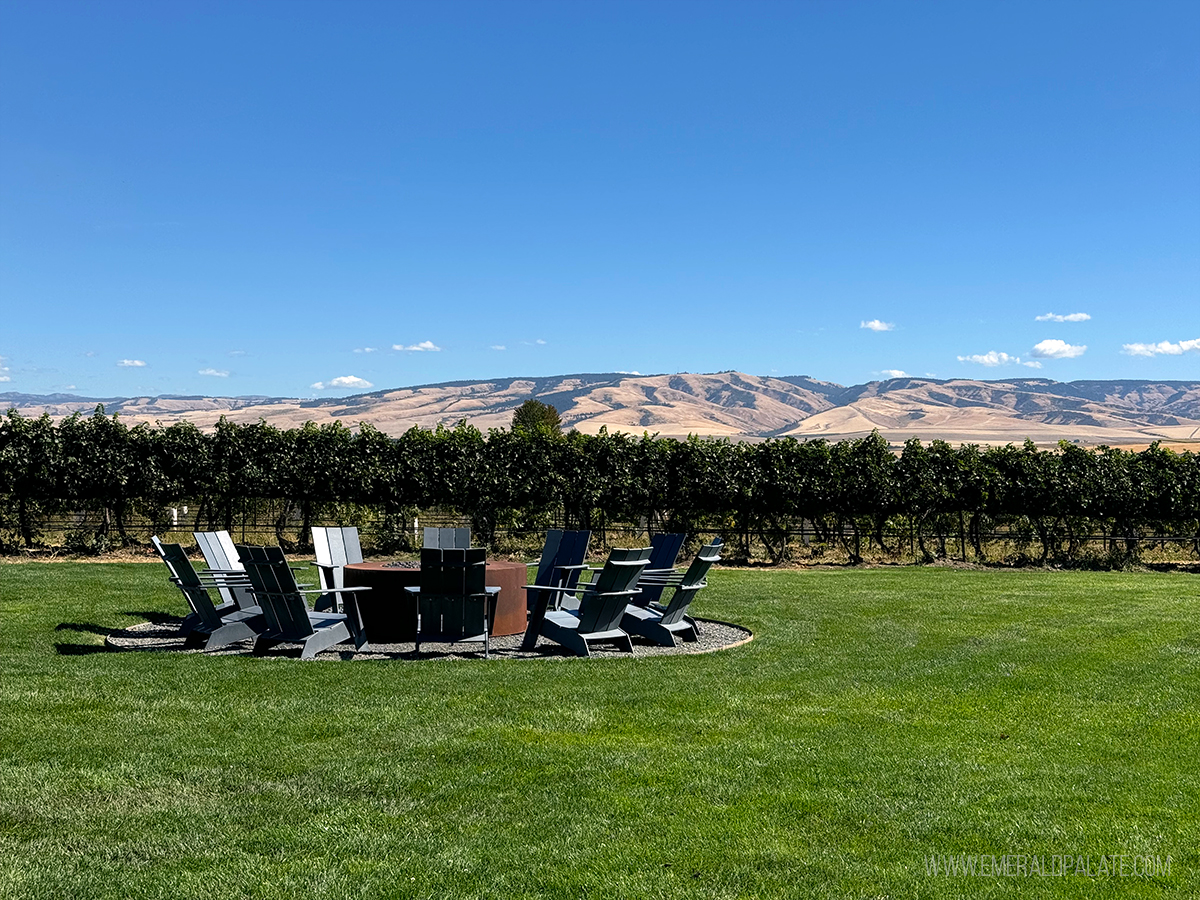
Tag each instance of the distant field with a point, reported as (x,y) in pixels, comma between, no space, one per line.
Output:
(881,718)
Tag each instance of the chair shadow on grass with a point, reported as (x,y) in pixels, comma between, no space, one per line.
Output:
(65,649)
(88,627)
(82,649)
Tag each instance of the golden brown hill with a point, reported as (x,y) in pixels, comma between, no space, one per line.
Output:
(727,404)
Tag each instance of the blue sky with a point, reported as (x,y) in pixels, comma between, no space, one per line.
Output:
(313,199)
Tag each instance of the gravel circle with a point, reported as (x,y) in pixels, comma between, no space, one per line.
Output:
(163,636)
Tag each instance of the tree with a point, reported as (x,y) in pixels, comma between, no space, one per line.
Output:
(533,416)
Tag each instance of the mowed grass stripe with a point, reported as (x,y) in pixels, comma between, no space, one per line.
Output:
(878,716)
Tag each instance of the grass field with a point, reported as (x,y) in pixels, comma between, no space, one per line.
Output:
(878,718)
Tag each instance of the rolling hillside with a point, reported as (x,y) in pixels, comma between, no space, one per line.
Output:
(727,404)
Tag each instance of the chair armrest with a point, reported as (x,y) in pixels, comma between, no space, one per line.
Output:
(619,593)
(549,587)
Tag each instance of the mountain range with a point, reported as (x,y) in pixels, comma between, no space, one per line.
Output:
(725,404)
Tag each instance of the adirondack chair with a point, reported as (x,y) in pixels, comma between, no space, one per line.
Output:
(562,560)
(225,624)
(221,562)
(559,568)
(333,549)
(662,623)
(447,538)
(601,605)
(287,616)
(663,554)
(453,602)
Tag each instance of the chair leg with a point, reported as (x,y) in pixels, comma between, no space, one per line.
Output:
(537,615)
(324,639)
(695,629)
(230,633)
(572,641)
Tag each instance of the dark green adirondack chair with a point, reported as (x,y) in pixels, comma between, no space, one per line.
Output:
(218,625)
(454,603)
(561,564)
(288,618)
(602,603)
(662,623)
(663,554)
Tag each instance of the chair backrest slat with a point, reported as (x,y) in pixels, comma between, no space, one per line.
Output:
(322,551)
(353,549)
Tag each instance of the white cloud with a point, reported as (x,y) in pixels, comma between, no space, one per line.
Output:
(1053,348)
(342,381)
(423,346)
(539,341)
(1162,348)
(68,387)
(1070,317)
(630,372)
(130,363)
(237,352)
(216,373)
(894,373)
(499,347)
(365,349)
(877,325)
(4,376)
(998,358)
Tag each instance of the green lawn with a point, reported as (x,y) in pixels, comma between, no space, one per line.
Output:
(878,717)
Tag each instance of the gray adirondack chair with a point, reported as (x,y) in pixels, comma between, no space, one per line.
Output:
(219,625)
(454,603)
(447,538)
(663,555)
(288,618)
(334,548)
(221,562)
(559,568)
(602,603)
(663,623)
